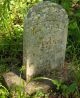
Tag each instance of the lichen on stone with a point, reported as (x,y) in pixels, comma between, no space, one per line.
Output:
(45,38)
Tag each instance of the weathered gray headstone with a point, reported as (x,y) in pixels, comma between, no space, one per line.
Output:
(44,39)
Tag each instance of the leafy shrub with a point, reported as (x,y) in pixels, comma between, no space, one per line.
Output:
(3,92)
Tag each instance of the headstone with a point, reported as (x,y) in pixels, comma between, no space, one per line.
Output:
(44,39)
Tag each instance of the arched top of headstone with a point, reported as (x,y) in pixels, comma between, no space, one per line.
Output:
(42,10)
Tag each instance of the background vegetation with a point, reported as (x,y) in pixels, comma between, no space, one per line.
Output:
(12,14)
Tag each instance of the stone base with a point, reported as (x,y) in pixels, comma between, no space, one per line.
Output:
(12,80)
(35,86)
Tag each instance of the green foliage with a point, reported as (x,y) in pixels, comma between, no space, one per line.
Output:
(67,90)
(39,94)
(3,92)
(18,92)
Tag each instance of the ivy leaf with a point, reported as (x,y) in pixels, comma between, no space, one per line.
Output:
(72,87)
(39,94)
(57,83)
